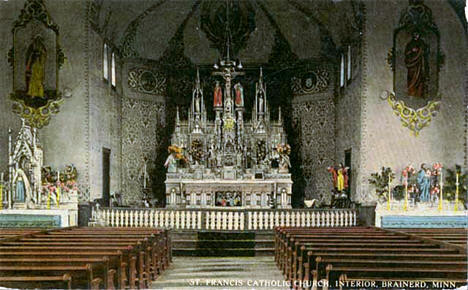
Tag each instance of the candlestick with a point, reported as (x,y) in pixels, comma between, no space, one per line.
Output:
(405,205)
(389,193)
(48,200)
(441,191)
(144,176)
(58,195)
(1,194)
(456,190)
(1,177)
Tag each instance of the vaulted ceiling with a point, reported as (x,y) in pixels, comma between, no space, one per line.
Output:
(309,28)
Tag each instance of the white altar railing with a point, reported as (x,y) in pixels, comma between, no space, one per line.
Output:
(218,219)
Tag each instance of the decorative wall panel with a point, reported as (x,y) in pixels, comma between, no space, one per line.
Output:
(142,122)
(315,119)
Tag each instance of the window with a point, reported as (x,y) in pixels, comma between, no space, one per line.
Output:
(105,65)
(349,63)
(466,10)
(113,70)
(342,71)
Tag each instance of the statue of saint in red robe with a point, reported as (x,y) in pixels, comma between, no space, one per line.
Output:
(415,59)
(218,96)
(239,92)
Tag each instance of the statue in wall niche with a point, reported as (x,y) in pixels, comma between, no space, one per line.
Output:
(218,95)
(260,103)
(416,61)
(23,187)
(239,93)
(35,68)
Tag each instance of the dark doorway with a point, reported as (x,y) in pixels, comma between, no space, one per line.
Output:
(106,176)
(347,161)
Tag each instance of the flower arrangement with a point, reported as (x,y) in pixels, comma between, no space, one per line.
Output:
(174,149)
(408,174)
(283,149)
(380,181)
(178,154)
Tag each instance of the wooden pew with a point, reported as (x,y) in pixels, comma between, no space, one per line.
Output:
(299,250)
(32,282)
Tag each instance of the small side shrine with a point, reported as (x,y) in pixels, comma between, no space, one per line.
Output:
(33,195)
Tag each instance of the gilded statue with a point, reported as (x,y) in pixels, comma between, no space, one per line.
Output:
(35,68)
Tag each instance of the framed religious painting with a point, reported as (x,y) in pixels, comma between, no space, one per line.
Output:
(415,59)
(35,59)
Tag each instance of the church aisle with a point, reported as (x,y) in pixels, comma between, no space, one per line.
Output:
(221,273)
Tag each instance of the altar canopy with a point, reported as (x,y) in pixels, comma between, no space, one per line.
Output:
(229,161)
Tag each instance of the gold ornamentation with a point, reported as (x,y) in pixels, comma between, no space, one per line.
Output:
(415,120)
(36,117)
(229,124)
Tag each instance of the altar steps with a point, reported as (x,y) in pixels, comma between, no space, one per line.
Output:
(222,244)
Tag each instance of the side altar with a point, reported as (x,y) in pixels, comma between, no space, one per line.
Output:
(33,195)
(228,161)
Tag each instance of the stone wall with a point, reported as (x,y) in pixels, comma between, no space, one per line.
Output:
(104,119)
(384,141)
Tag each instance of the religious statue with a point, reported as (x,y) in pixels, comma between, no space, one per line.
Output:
(340,177)
(284,162)
(197,104)
(218,95)
(20,189)
(35,68)
(239,93)
(261,105)
(212,154)
(23,187)
(417,64)
(424,182)
(171,161)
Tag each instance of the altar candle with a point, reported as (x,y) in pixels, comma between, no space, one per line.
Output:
(1,193)
(457,175)
(1,177)
(48,200)
(144,176)
(58,195)
(441,191)
(405,206)
(389,193)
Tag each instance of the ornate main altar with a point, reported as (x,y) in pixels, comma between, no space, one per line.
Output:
(228,161)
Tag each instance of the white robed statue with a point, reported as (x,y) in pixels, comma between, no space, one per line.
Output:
(23,187)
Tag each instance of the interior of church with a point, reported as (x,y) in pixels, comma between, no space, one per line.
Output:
(233,143)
